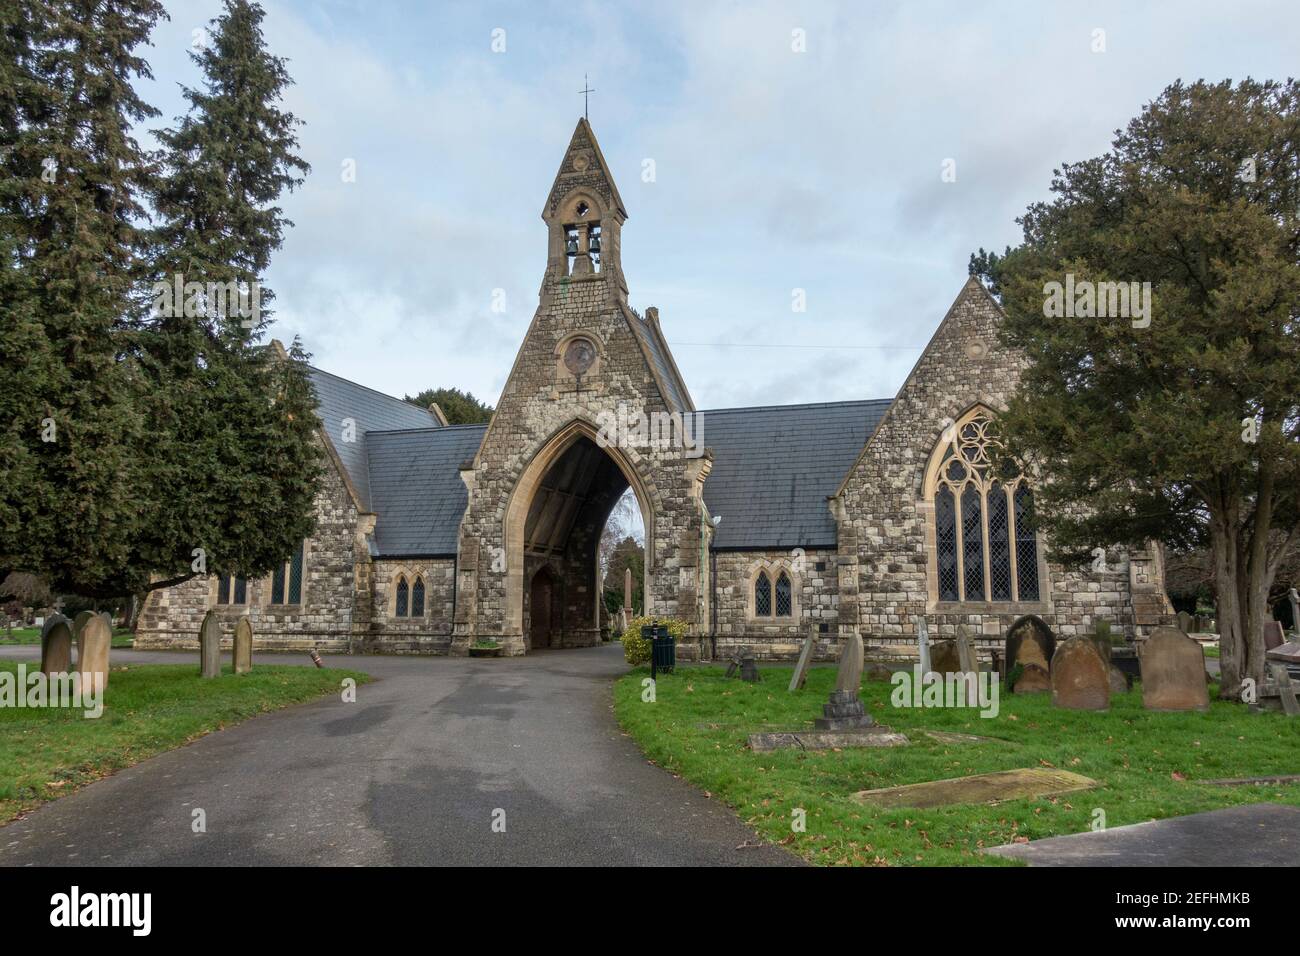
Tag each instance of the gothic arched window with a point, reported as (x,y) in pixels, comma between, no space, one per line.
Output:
(763,595)
(402,593)
(417,598)
(986,549)
(783,603)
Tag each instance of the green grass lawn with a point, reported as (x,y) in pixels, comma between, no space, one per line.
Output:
(148,708)
(32,635)
(1147,764)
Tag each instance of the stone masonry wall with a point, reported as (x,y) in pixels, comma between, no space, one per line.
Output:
(172,616)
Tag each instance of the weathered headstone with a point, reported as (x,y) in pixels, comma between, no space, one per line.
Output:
(1184,622)
(749,669)
(733,667)
(1031,644)
(800,675)
(923,645)
(210,646)
(844,710)
(78,625)
(944,658)
(1285,689)
(1120,683)
(241,652)
(56,645)
(1080,677)
(1274,636)
(966,658)
(95,641)
(1173,672)
(1294,597)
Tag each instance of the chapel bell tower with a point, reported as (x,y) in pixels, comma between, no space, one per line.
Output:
(584,215)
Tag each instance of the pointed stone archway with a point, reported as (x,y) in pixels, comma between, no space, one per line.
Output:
(552,529)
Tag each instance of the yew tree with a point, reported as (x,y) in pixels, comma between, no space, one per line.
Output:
(1182,426)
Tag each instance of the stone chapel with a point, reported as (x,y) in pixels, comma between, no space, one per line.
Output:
(777,523)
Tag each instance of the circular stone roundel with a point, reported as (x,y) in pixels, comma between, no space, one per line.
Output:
(579,356)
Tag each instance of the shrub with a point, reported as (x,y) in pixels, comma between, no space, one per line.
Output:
(636,649)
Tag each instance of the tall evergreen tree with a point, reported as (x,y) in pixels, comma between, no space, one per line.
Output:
(70,209)
(461,408)
(234,421)
(1181,424)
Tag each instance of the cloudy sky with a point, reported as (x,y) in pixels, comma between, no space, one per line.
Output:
(775,168)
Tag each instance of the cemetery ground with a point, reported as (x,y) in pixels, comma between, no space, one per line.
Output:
(1148,765)
(32,635)
(49,752)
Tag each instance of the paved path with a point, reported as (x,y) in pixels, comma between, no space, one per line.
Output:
(1254,834)
(410,774)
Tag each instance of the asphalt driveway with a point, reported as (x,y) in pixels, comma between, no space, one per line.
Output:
(415,772)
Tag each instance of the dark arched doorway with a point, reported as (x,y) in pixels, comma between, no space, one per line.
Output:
(542,603)
(568,505)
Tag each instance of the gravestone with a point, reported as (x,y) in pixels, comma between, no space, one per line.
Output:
(1274,636)
(749,669)
(844,710)
(241,652)
(1080,677)
(1031,644)
(95,642)
(800,675)
(78,625)
(944,657)
(966,658)
(1184,622)
(56,645)
(733,667)
(210,646)
(1285,689)
(1173,672)
(1120,683)
(1294,597)
(923,645)
(1022,784)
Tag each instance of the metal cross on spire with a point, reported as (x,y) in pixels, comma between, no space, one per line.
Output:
(584,91)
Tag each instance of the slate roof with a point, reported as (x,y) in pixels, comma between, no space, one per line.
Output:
(337,399)
(775,466)
(663,364)
(416,490)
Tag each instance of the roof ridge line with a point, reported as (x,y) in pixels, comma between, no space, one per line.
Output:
(376,391)
(756,408)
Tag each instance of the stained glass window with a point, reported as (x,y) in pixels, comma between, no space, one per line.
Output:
(999,543)
(783,602)
(763,595)
(295,576)
(1026,545)
(972,542)
(972,506)
(402,590)
(945,519)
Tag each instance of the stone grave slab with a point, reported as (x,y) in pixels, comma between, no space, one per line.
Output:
(1274,636)
(1282,779)
(1080,677)
(1256,834)
(876,736)
(96,641)
(1173,672)
(56,645)
(79,624)
(1285,691)
(1026,783)
(210,646)
(241,650)
(1031,644)
(800,675)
